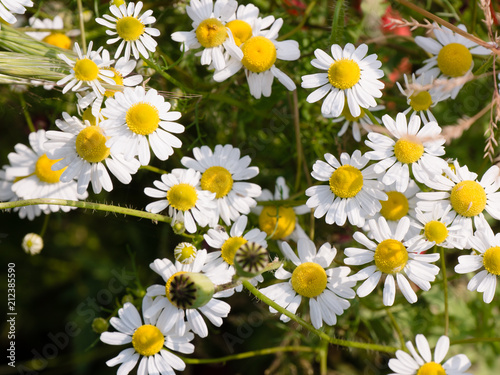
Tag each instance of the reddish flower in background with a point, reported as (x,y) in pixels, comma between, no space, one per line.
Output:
(295,7)
(386,25)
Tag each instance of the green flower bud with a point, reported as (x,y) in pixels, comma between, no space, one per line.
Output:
(189,290)
(250,260)
(127,298)
(100,325)
(178,228)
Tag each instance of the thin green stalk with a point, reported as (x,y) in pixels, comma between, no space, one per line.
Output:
(298,143)
(374,120)
(337,34)
(26,113)
(153,169)
(396,327)
(86,205)
(323,356)
(309,327)
(168,77)
(253,353)
(82,26)
(45,225)
(445,290)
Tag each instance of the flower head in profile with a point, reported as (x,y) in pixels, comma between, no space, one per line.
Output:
(10,7)
(56,37)
(130,29)
(351,77)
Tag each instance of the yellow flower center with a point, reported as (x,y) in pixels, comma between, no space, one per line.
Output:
(348,116)
(91,144)
(88,116)
(454,60)
(185,253)
(218,180)
(211,33)
(117,3)
(117,77)
(346,181)
(169,283)
(431,368)
(436,231)
(390,256)
(229,248)
(148,340)
(58,39)
(241,31)
(408,150)
(259,54)
(309,279)
(86,70)
(344,74)
(182,197)
(491,260)
(468,198)
(44,172)
(395,207)
(277,222)
(129,28)
(142,118)
(421,101)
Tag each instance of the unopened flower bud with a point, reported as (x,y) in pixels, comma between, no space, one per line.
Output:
(189,290)
(100,325)
(127,298)
(185,253)
(178,227)
(32,243)
(250,259)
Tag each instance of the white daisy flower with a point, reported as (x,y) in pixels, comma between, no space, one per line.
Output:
(32,243)
(180,192)
(173,311)
(353,192)
(137,120)
(425,362)
(280,222)
(260,53)
(8,7)
(31,174)
(210,31)
(468,198)
(415,147)
(86,71)
(54,38)
(363,121)
(393,258)
(351,77)
(131,29)
(452,55)
(148,341)
(81,150)
(223,172)
(486,254)
(325,288)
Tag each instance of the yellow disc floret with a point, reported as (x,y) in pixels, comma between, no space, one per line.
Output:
(435,231)
(309,279)
(468,198)
(129,28)
(491,260)
(182,197)
(229,248)
(454,60)
(390,256)
(91,144)
(218,180)
(346,181)
(344,74)
(86,70)
(241,30)
(142,118)
(44,172)
(395,207)
(211,33)
(58,39)
(277,222)
(259,54)
(431,368)
(421,101)
(148,340)
(408,150)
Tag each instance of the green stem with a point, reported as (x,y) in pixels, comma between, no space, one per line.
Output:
(337,34)
(445,290)
(299,27)
(283,202)
(374,120)
(26,113)
(397,328)
(87,205)
(253,353)
(82,26)
(298,143)
(323,356)
(309,327)
(168,77)
(153,169)
(45,225)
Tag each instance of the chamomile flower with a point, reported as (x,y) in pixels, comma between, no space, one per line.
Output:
(82,152)
(260,53)
(130,29)
(224,173)
(350,77)
(176,300)
(280,222)
(326,289)
(415,147)
(353,192)
(31,174)
(363,121)
(452,55)
(468,198)
(180,192)
(137,120)
(210,31)
(148,340)
(393,258)
(486,253)
(425,363)
(86,71)
(246,23)
(55,38)
(8,7)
